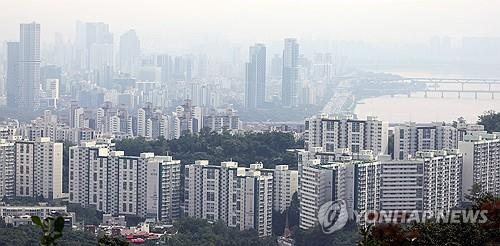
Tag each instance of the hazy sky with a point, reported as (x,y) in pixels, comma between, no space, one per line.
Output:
(182,22)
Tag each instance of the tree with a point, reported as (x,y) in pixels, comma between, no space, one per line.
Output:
(105,240)
(268,148)
(88,215)
(436,233)
(52,229)
(490,120)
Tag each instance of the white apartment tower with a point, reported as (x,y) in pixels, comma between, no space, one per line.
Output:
(242,198)
(481,162)
(430,181)
(7,165)
(332,133)
(316,188)
(256,203)
(38,168)
(285,184)
(145,185)
(410,138)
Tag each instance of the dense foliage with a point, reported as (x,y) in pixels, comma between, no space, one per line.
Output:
(316,237)
(280,219)
(30,235)
(88,215)
(491,121)
(268,148)
(432,233)
(192,231)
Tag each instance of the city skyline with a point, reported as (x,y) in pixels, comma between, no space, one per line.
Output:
(334,20)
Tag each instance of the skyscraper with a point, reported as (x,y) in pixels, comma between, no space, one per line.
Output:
(12,73)
(29,66)
(130,51)
(255,78)
(289,86)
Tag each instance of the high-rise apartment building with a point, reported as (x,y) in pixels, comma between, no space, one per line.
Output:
(145,185)
(7,168)
(255,77)
(410,138)
(430,181)
(38,168)
(290,71)
(285,184)
(332,133)
(481,162)
(242,198)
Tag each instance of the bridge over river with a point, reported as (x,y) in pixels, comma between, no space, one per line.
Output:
(441,86)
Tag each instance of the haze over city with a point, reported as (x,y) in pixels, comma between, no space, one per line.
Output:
(165,25)
(277,122)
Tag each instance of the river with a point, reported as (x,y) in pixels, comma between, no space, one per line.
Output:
(418,108)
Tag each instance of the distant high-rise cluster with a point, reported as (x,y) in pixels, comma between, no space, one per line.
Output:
(290,77)
(255,79)
(23,69)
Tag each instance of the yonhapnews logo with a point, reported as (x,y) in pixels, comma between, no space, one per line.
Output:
(332,216)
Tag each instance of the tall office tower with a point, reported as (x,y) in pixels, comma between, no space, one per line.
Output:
(39,168)
(167,67)
(255,78)
(410,138)
(481,162)
(242,198)
(145,185)
(94,50)
(322,67)
(7,164)
(332,133)
(182,69)
(29,67)
(431,181)
(130,52)
(276,67)
(12,81)
(290,71)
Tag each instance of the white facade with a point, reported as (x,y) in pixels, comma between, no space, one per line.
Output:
(242,198)
(316,188)
(7,165)
(39,168)
(410,138)
(481,162)
(431,181)
(332,133)
(145,185)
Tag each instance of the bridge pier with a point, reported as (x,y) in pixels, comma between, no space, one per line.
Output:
(409,94)
(475,95)
(442,94)
(493,95)
(425,94)
(459,96)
